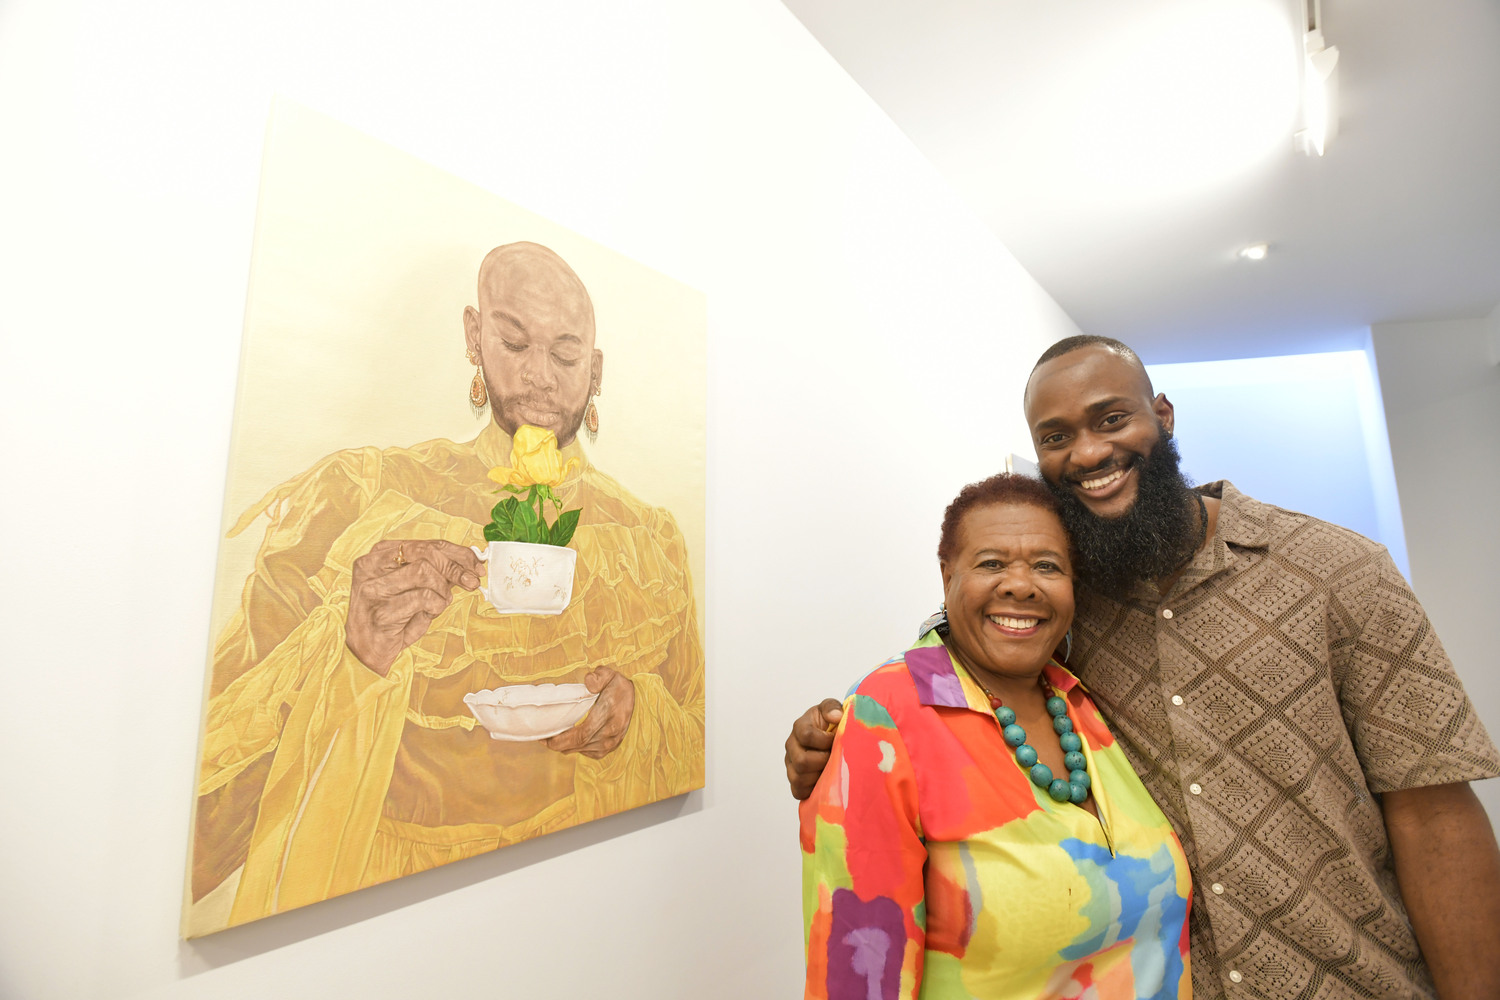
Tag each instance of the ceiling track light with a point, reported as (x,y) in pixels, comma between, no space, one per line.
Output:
(1320,119)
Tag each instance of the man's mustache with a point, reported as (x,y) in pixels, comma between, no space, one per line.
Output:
(541,401)
(1099,470)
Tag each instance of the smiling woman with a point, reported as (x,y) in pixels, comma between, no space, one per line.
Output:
(1007,591)
(974,782)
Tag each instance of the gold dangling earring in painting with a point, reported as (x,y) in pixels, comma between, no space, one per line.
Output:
(478,397)
(591,415)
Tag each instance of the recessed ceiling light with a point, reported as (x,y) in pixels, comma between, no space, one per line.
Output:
(1255,251)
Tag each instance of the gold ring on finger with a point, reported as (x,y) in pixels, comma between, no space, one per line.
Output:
(401,555)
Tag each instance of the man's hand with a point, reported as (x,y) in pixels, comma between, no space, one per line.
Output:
(807,748)
(398,588)
(1448,868)
(601,731)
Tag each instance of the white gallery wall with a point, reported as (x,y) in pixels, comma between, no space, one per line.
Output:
(868,340)
(1441,384)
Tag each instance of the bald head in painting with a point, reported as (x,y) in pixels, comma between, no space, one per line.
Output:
(532,336)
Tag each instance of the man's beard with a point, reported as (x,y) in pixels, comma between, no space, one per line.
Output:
(1153,539)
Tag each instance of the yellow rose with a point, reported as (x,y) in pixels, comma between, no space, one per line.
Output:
(534,459)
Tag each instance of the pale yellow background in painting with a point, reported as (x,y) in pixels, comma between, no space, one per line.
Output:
(365,258)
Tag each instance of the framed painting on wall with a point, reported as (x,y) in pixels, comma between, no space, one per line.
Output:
(458,601)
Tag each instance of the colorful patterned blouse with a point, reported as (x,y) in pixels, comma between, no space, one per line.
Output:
(933,867)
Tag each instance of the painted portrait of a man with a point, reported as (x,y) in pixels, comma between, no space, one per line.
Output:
(338,748)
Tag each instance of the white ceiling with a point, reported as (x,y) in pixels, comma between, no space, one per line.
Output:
(1124,150)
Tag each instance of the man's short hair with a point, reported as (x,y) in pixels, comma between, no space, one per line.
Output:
(1068,344)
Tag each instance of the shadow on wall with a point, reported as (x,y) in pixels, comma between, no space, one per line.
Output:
(1305,432)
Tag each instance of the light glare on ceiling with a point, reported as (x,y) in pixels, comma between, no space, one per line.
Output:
(1184,102)
(1255,251)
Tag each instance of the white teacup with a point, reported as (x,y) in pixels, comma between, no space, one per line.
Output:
(528,579)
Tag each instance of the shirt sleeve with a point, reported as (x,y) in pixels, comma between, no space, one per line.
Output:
(251,690)
(863,895)
(661,754)
(1411,722)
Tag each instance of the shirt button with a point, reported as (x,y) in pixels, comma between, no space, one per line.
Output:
(1234,975)
(1217,888)
(1195,788)
(1177,699)
(1166,613)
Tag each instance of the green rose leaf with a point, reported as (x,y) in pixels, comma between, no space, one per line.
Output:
(517,520)
(503,517)
(562,530)
(525,527)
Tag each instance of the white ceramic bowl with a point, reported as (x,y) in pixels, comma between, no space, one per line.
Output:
(523,712)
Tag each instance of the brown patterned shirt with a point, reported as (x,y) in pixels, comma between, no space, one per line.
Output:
(1287,679)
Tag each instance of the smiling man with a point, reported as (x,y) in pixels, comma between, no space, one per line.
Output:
(1282,694)
(1104,445)
(338,751)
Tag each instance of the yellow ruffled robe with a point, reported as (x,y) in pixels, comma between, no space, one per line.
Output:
(320,777)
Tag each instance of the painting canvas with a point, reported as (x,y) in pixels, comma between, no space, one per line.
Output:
(459,594)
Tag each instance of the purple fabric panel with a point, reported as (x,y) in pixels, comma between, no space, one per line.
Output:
(932,672)
(866,943)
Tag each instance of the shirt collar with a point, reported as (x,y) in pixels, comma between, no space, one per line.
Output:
(941,682)
(1242,524)
(1243,521)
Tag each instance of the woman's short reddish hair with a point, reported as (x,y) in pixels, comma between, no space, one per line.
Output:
(1004,489)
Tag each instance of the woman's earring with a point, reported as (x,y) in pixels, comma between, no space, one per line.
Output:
(1068,646)
(938,622)
(591,415)
(478,396)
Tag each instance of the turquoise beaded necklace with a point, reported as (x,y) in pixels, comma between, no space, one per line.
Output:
(1075,788)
